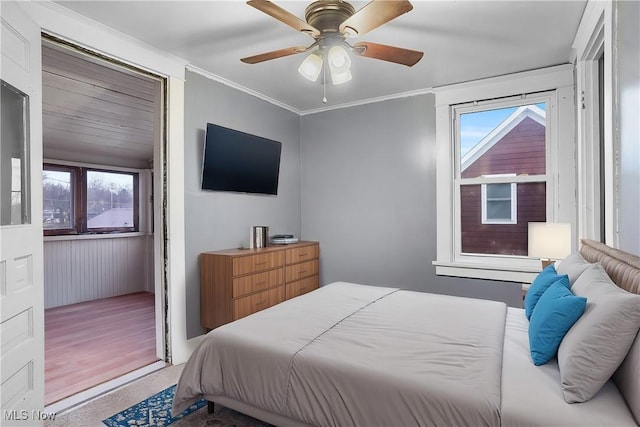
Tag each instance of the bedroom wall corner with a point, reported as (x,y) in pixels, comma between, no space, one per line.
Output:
(369,194)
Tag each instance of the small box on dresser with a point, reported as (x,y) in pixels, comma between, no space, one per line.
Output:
(235,283)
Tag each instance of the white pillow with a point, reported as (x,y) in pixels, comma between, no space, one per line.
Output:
(573,266)
(598,342)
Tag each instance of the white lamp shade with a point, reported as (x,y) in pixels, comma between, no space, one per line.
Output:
(311,67)
(339,78)
(339,59)
(550,240)
(339,64)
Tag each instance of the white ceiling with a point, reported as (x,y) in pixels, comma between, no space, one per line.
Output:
(462,41)
(96,112)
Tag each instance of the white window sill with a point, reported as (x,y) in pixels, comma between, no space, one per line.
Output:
(485,271)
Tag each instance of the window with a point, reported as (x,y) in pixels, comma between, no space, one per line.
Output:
(78,200)
(14,157)
(499,203)
(501,149)
(498,167)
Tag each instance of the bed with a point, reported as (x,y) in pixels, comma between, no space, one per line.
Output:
(351,354)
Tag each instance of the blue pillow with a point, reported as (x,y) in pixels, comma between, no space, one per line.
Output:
(540,284)
(556,312)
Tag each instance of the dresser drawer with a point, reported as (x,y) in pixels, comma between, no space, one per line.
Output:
(246,285)
(300,271)
(300,287)
(258,262)
(245,306)
(303,253)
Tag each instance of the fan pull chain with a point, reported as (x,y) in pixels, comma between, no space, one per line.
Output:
(324,83)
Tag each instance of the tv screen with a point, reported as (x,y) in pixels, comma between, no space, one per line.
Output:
(237,161)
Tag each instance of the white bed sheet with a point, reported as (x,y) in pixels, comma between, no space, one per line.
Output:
(531,395)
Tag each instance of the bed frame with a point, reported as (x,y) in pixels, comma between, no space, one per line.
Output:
(624,270)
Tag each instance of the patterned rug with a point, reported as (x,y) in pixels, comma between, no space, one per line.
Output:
(156,411)
(153,411)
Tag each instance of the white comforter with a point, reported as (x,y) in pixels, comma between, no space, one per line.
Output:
(357,355)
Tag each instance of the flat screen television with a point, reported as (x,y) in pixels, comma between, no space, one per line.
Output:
(239,162)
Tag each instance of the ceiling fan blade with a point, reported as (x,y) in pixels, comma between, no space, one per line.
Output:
(372,15)
(284,16)
(388,53)
(274,54)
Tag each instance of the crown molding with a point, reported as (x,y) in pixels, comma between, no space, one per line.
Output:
(369,101)
(275,102)
(233,85)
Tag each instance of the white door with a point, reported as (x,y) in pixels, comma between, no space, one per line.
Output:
(21,243)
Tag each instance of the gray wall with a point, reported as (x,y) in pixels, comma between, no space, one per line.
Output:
(369,194)
(217,220)
(629,111)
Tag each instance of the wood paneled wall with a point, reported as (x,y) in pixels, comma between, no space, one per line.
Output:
(88,269)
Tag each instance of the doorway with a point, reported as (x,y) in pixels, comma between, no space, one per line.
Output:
(103,128)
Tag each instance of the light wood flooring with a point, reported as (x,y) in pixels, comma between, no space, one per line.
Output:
(92,342)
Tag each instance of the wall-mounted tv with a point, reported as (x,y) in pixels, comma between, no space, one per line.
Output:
(239,162)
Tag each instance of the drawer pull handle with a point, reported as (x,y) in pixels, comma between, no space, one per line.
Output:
(260,303)
(261,283)
(261,263)
(304,254)
(303,288)
(302,272)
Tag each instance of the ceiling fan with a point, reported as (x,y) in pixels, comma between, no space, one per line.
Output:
(330,23)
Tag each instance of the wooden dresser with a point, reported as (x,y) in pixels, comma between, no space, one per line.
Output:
(235,283)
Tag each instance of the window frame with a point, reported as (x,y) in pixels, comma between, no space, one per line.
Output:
(597,166)
(76,195)
(79,200)
(557,85)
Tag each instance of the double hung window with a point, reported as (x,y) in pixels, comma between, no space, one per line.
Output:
(500,179)
(499,160)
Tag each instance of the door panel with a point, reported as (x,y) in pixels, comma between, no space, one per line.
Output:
(21,272)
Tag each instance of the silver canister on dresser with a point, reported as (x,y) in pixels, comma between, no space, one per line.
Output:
(259,236)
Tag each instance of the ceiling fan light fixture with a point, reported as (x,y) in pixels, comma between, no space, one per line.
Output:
(311,67)
(330,23)
(339,64)
(339,78)
(339,59)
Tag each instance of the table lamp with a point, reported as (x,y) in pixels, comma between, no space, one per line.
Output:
(549,241)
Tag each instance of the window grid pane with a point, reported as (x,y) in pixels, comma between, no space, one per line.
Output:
(109,200)
(57,191)
(498,191)
(499,210)
(500,238)
(509,140)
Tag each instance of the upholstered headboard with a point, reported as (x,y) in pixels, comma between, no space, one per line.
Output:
(622,267)
(624,270)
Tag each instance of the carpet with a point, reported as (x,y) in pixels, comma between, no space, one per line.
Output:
(153,411)
(156,411)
